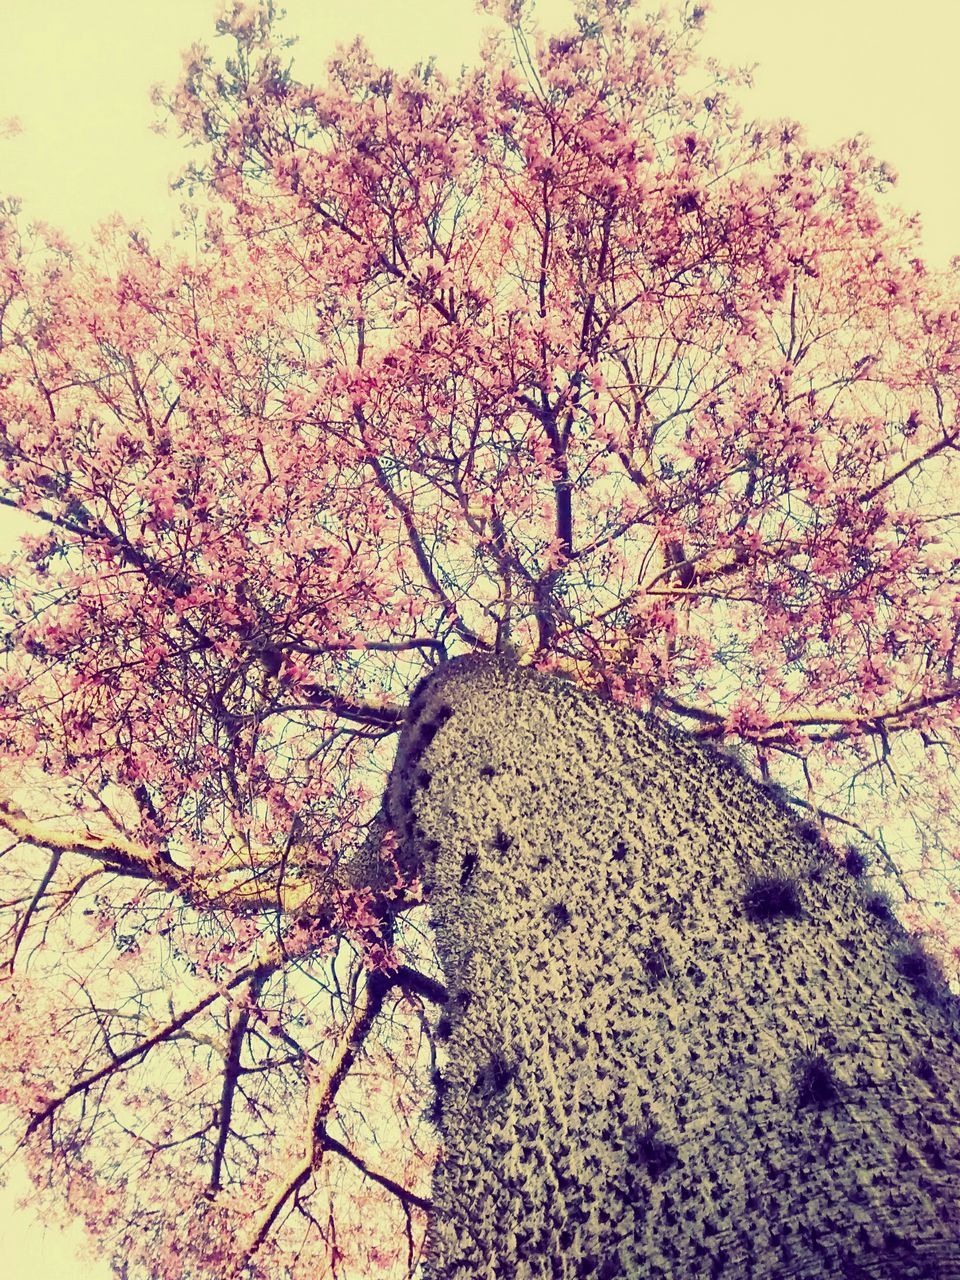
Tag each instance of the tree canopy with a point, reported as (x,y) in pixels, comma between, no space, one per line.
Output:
(564,357)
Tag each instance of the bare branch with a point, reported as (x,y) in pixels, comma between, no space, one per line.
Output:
(261,968)
(231,1074)
(948,442)
(34,903)
(408,1197)
(320,1103)
(411,980)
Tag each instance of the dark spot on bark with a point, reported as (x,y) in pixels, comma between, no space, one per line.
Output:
(444,1029)
(816,1083)
(896,1249)
(855,861)
(496,1075)
(502,841)
(439,1089)
(851,1269)
(696,975)
(487,771)
(857,1194)
(879,905)
(653,1153)
(467,868)
(428,730)
(769,897)
(775,790)
(934,1156)
(923,1069)
(920,969)
(656,961)
(559,914)
(417,699)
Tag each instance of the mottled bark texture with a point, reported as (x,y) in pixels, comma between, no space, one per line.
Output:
(680,1043)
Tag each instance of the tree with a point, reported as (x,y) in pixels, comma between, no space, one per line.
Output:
(561,364)
(680,1040)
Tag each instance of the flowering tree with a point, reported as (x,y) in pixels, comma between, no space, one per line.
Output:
(562,360)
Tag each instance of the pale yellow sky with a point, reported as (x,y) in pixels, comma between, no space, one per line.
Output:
(77,73)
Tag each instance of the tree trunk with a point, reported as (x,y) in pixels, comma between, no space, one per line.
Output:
(680,1042)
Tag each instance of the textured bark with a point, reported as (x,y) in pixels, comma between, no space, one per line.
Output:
(657,1066)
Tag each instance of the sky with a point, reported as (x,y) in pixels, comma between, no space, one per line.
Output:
(77,75)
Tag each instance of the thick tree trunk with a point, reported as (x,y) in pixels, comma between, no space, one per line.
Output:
(680,1043)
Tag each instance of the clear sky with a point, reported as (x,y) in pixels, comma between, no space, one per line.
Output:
(77,73)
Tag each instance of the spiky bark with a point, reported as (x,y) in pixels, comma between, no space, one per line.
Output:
(679,1042)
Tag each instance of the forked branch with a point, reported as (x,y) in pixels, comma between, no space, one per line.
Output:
(322,1099)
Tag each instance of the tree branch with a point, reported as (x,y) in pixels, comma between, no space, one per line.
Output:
(122,856)
(413,536)
(262,968)
(411,980)
(115,851)
(320,1104)
(947,442)
(321,699)
(34,903)
(231,1074)
(408,1197)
